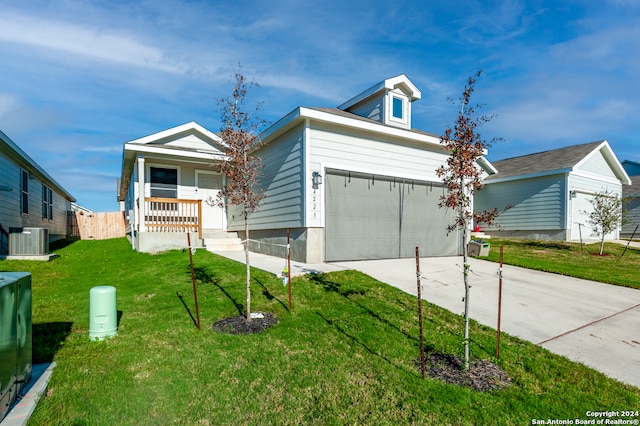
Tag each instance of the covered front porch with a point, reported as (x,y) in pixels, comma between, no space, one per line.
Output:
(170,188)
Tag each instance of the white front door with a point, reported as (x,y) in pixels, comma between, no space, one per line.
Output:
(208,186)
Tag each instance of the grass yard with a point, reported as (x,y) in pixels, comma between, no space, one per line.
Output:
(345,354)
(570,259)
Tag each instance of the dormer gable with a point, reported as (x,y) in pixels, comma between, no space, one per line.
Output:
(388,102)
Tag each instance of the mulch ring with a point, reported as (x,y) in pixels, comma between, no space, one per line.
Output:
(259,322)
(482,375)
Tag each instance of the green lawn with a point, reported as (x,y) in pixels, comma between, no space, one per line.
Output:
(345,354)
(571,259)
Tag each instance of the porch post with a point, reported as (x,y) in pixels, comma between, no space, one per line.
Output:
(141,196)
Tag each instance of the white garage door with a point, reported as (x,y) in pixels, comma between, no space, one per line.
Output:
(581,207)
(377,217)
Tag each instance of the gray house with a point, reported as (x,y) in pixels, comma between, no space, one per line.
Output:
(549,191)
(631,194)
(29,196)
(352,182)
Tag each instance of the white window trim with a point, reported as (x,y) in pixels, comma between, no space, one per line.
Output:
(404,121)
(147,181)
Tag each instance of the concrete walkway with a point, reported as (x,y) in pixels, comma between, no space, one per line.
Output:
(588,322)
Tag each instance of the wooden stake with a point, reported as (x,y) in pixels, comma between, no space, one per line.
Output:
(289,266)
(193,279)
(499,305)
(419,282)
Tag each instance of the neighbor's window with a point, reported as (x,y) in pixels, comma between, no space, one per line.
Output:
(397,108)
(163,182)
(47,202)
(24,187)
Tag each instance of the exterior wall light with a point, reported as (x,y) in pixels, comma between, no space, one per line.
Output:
(316,179)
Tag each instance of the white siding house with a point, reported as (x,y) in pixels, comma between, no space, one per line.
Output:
(631,194)
(29,196)
(549,192)
(353,182)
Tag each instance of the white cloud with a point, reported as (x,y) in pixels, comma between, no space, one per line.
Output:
(86,41)
(8,103)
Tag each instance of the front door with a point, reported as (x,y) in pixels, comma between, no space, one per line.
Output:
(208,186)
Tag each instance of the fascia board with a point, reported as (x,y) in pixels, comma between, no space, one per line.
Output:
(387,84)
(529,176)
(402,79)
(176,131)
(367,93)
(155,149)
(370,127)
(487,166)
(611,158)
(280,126)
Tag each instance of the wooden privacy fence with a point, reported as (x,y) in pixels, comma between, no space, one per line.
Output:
(98,226)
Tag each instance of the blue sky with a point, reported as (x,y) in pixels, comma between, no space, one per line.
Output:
(80,78)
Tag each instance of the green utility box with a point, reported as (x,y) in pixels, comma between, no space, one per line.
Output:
(103,315)
(15,337)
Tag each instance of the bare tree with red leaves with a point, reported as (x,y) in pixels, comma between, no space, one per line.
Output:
(462,177)
(240,136)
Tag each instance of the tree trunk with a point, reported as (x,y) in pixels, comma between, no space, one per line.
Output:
(246,256)
(602,244)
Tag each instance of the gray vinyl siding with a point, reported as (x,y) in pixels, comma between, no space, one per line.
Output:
(598,166)
(10,216)
(536,203)
(282,183)
(372,109)
(347,150)
(632,218)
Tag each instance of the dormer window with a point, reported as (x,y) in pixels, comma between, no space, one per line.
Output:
(398,108)
(388,102)
(398,111)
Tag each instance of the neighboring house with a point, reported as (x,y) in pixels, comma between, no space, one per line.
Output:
(549,192)
(631,195)
(29,196)
(353,182)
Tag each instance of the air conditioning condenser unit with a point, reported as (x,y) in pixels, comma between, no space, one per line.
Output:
(28,241)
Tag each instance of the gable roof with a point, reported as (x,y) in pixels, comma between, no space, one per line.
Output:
(555,161)
(204,148)
(401,82)
(18,156)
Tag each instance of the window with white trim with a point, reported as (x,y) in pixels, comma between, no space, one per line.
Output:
(24,192)
(47,202)
(163,182)
(397,108)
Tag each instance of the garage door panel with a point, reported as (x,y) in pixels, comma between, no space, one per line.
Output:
(372,217)
(424,223)
(361,218)
(581,207)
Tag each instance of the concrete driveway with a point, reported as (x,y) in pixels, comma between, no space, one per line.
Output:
(592,323)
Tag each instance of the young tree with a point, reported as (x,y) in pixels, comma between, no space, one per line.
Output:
(240,136)
(606,214)
(461,176)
